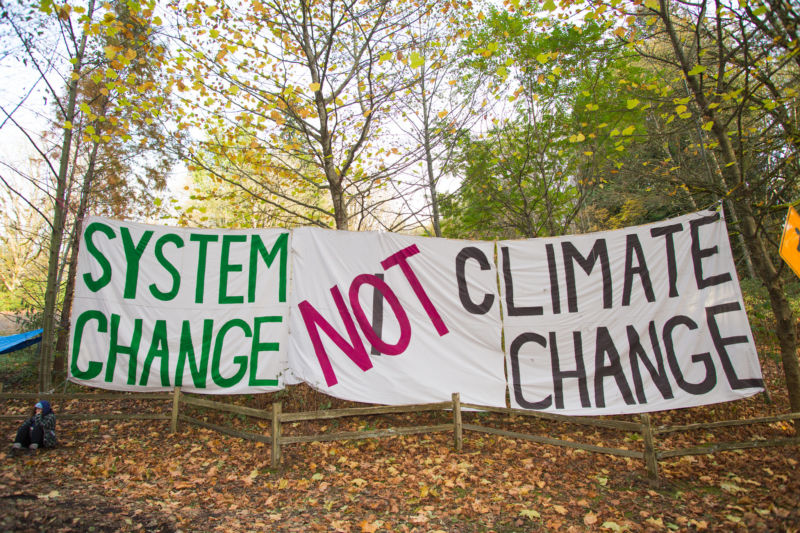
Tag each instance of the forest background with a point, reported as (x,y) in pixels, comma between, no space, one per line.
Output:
(459,119)
(465,119)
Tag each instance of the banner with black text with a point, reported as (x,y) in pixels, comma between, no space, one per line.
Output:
(394,319)
(626,321)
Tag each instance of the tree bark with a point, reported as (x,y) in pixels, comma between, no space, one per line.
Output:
(785,328)
(428,149)
(59,217)
(759,254)
(59,364)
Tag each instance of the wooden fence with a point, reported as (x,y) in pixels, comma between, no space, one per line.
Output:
(147,396)
(650,454)
(277,417)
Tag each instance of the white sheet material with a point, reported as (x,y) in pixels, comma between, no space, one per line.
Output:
(627,321)
(664,295)
(210,292)
(442,348)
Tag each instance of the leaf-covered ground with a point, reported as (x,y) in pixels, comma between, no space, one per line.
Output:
(114,475)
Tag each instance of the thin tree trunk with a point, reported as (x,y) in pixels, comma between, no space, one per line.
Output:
(785,328)
(426,146)
(339,205)
(59,217)
(63,329)
(762,261)
(716,174)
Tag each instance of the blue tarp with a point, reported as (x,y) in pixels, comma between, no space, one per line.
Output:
(13,343)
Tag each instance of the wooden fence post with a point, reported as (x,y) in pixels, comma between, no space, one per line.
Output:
(176,401)
(458,428)
(275,457)
(650,457)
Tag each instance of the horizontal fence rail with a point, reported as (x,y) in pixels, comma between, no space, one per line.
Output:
(249,435)
(222,406)
(371,434)
(582,420)
(276,439)
(151,396)
(727,447)
(87,396)
(650,454)
(365,411)
(727,423)
(98,416)
(556,442)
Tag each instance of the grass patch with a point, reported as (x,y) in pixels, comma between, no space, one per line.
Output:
(761,317)
(18,370)
(756,299)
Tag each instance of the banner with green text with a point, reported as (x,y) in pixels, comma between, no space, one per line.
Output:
(157,307)
(626,321)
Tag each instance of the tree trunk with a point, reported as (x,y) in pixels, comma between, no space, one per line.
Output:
(339,205)
(63,329)
(426,146)
(59,217)
(766,271)
(759,253)
(785,327)
(714,175)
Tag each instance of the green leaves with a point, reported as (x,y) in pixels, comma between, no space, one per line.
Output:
(531,514)
(46,6)
(697,69)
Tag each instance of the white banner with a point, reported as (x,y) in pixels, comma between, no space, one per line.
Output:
(157,307)
(393,319)
(634,320)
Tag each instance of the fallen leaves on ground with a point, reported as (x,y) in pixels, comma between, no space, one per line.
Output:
(114,475)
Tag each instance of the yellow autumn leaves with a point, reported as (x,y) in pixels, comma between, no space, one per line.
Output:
(112,52)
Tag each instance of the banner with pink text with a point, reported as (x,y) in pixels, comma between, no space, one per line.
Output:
(387,318)
(626,321)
